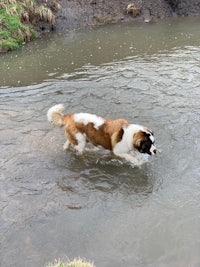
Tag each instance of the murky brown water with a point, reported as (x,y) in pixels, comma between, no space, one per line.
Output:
(55,204)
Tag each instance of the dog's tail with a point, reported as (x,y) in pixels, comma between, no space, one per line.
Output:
(55,116)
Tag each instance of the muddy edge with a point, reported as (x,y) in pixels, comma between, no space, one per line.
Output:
(75,14)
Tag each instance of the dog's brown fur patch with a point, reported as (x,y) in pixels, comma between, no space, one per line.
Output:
(102,136)
(138,138)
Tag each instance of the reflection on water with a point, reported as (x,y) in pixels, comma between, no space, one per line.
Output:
(55,203)
(62,53)
(106,175)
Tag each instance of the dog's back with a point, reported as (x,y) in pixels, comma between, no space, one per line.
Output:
(115,135)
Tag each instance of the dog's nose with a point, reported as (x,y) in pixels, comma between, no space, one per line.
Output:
(154,151)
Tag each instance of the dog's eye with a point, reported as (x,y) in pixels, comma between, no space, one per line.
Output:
(142,144)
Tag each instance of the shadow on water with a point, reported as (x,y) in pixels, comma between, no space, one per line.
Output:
(106,177)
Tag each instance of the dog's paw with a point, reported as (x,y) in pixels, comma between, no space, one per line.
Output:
(66,145)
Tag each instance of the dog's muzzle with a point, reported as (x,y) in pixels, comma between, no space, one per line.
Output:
(153,150)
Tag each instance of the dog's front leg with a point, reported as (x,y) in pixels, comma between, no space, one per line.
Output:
(66,145)
(129,158)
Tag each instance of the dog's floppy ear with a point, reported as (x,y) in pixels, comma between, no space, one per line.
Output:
(138,138)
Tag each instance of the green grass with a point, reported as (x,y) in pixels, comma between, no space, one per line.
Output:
(16,22)
(13,33)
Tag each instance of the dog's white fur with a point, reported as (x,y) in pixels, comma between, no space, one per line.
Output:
(116,135)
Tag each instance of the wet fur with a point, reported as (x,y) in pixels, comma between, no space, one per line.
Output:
(115,135)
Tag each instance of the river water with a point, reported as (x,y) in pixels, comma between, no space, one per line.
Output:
(56,204)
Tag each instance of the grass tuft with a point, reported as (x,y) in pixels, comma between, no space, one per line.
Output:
(45,14)
(75,263)
(17,19)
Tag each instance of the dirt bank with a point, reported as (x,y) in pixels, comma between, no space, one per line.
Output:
(80,13)
(75,14)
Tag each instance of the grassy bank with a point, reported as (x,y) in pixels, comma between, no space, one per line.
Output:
(19,20)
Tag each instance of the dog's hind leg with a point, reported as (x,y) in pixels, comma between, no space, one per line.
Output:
(81,139)
(71,140)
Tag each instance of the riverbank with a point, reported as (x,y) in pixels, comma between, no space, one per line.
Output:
(78,14)
(22,21)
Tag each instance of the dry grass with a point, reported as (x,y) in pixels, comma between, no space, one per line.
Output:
(28,11)
(45,14)
(75,263)
(18,19)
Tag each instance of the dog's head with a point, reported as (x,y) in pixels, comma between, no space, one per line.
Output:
(144,141)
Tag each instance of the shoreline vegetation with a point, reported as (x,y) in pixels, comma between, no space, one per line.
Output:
(19,20)
(74,263)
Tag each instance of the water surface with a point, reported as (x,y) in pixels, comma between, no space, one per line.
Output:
(56,204)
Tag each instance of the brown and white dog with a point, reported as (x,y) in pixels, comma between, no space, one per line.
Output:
(115,135)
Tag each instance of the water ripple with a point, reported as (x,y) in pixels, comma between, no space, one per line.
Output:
(157,202)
